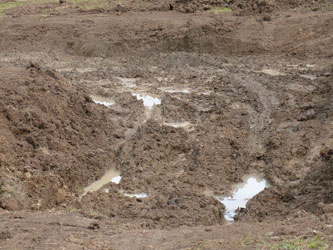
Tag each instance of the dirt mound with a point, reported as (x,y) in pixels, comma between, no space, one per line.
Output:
(245,7)
(309,168)
(313,194)
(54,139)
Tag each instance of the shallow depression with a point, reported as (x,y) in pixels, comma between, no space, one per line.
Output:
(242,193)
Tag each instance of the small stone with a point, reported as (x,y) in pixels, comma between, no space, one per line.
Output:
(93,226)
(27,175)
(267,18)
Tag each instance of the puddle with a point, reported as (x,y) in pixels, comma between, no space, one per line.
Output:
(102,100)
(79,70)
(128,82)
(242,193)
(148,101)
(116,179)
(177,124)
(170,90)
(272,72)
(110,176)
(140,195)
(208,92)
(308,76)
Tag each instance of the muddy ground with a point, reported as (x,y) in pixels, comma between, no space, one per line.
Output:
(251,83)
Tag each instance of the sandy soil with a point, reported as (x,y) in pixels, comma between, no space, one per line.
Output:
(252,85)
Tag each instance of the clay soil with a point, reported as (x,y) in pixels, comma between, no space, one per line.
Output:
(252,81)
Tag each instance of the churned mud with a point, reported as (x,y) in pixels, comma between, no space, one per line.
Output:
(166,124)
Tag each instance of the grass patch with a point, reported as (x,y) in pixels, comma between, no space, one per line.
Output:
(317,242)
(219,10)
(9,5)
(89,4)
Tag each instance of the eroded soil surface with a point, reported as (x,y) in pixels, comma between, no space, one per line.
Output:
(232,89)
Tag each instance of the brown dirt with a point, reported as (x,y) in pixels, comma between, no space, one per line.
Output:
(259,101)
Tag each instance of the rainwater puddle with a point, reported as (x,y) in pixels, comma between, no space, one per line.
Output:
(272,72)
(242,193)
(102,100)
(177,124)
(140,195)
(308,76)
(128,82)
(148,101)
(110,176)
(79,70)
(170,90)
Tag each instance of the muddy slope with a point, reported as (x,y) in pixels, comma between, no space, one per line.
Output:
(52,136)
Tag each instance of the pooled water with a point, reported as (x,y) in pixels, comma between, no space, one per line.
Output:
(185,91)
(116,179)
(128,82)
(140,195)
(102,100)
(177,124)
(111,175)
(148,101)
(272,72)
(308,76)
(242,193)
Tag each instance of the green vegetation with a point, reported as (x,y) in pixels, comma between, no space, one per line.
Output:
(219,10)
(9,5)
(301,243)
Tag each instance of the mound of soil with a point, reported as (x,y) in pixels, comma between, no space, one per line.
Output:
(54,139)
(266,6)
(309,168)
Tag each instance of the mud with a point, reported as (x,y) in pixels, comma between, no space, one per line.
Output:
(180,100)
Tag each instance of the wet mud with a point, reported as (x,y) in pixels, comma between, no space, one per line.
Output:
(133,121)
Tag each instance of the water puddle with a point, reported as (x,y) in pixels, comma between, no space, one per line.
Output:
(242,193)
(128,82)
(171,91)
(308,76)
(148,101)
(111,175)
(207,93)
(79,70)
(116,179)
(272,72)
(177,124)
(140,195)
(102,100)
